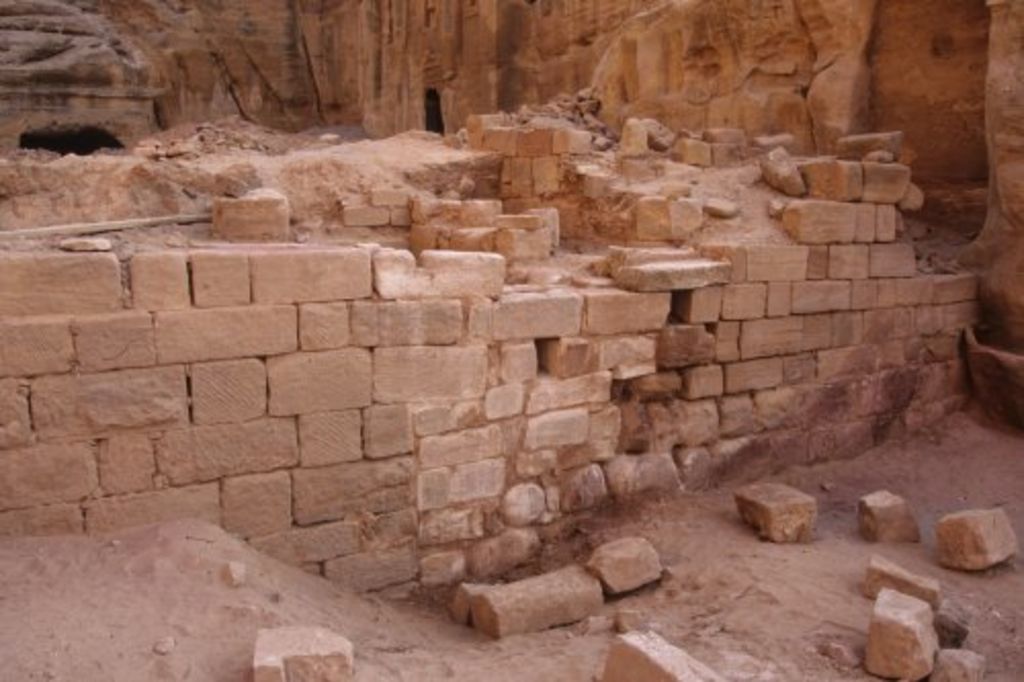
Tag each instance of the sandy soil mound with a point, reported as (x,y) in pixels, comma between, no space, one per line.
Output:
(88,609)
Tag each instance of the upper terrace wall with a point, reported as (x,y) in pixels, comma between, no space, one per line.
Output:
(379,420)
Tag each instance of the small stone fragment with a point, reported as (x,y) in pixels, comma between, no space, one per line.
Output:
(958,665)
(721,208)
(646,656)
(164,646)
(85,244)
(952,624)
(594,625)
(309,654)
(840,653)
(883,573)
(625,564)
(901,638)
(778,512)
(630,620)
(975,540)
(884,517)
(234,573)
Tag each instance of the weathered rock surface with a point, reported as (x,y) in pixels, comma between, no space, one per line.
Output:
(646,656)
(625,564)
(558,598)
(901,640)
(884,574)
(777,512)
(884,517)
(975,540)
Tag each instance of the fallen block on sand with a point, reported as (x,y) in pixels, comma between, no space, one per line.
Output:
(302,654)
(884,517)
(646,656)
(901,638)
(975,540)
(883,573)
(778,512)
(625,564)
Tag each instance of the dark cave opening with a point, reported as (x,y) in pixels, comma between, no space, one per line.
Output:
(80,140)
(434,119)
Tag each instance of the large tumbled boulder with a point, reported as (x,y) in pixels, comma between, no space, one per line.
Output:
(884,517)
(557,598)
(625,564)
(975,540)
(777,512)
(302,654)
(884,574)
(958,665)
(646,657)
(901,638)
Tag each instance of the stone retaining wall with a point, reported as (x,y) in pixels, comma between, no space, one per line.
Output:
(380,420)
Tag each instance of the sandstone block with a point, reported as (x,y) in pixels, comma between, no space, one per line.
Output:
(476,481)
(848,262)
(442,274)
(330,438)
(366,216)
(310,275)
(538,315)
(556,429)
(583,488)
(462,447)
(815,221)
(885,183)
(388,431)
(674,276)
(501,139)
(323,542)
(776,336)
(206,453)
(884,517)
(893,260)
(744,301)
(557,598)
(413,374)
(684,345)
(698,306)
(115,341)
(611,311)
(225,333)
(975,540)
(753,375)
(376,487)
(259,504)
(303,383)
(567,357)
(95,404)
(554,394)
(46,474)
(522,245)
(15,422)
(523,504)
(55,284)
(220,278)
(309,654)
(37,345)
(262,214)
(570,141)
(884,574)
(886,218)
(126,464)
(546,175)
(628,356)
(519,362)
(776,263)
(625,564)
(451,525)
(56,519)
(833,180)
(856,147)
(703,382)
(113,513)
(324,326)
(535,142)
(954,288)
(822,296)
(500,554)
(160,280)
(693,152)
(634,140)
(781,172)
(442,568)
(866,224)
(373,570)
(479,212)
(633,474)
(646,656)
(901,640)
(516,178)
(230,391)
(777,512)
(416,323)
(958,665)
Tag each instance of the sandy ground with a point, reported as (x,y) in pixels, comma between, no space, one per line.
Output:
(92,609)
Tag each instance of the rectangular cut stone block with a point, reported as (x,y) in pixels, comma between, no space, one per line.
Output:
(698,306)
(546,175)
(538,315)
(833,180)
(820,222)
(866,224)
(325,541)
(444,274)
(115,341)
(225,333)
(373,570)
(819,297)
(570,141)
(884,574)
(753,375)
(610,311)
(676,276)
(776,336)
(94,404)
(567,357)
(516,178)
(127,464)
(554,394)
(33,346)
(310,275)
(56,519)
(323,326)
(776,263)
(778,512)
(954,288)
(848,262)
(744,301)
(893,260)
(301,654)
(518,362)
(975,540)
(258,504)
(901,638)
(625,352)
(504,401)
(330,438)
(625,564)
(200,502)
(856,147)
(160,280)
(46,474)
(885,183)
(684,345)
(259,215)
(646,656)
(54,284)
(885,223)
(476,481)
(374,487)
(388,431)
(229,391)
(534,142)
(15,422)
(416,323)
(220,278)
(557,598)
(521,245)
(206,453)
(303,383)
(780,299)
(460,448)
(703,382)
(366,216)
(500,139)
(429,373)
(555,429)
